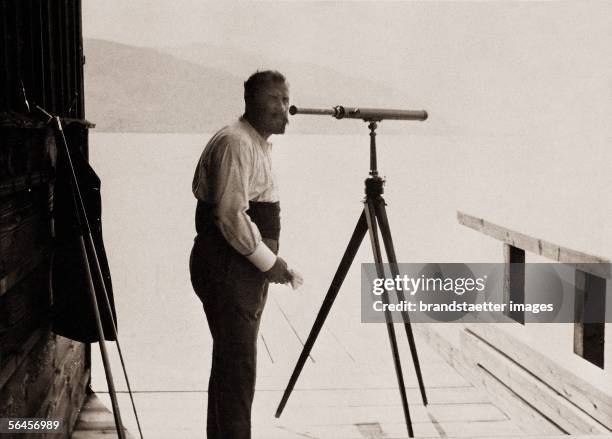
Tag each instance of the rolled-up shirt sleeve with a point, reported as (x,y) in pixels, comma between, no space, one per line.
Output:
(234,167)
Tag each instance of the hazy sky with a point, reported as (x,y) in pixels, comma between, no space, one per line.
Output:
(492,67)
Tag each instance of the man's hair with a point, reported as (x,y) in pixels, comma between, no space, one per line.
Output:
(259,80)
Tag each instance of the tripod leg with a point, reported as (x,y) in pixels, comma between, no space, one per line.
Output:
(82,219)
(100,279)
(385,231)
(370,212)
(101,342)
(345,263)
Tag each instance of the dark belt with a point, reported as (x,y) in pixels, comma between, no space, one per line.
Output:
(266,217)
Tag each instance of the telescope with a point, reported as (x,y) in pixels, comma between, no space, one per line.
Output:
(373,218)
(366,114)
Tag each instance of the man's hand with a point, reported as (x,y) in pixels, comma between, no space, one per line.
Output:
(296,279)
(279,273)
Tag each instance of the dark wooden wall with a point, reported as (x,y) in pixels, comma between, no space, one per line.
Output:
(42,50)
(41,61)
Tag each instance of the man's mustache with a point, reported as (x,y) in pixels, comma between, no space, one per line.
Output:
(284,117)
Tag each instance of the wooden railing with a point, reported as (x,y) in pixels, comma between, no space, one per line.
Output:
(592,274)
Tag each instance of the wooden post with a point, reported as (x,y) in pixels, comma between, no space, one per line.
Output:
(589,317)
(514,281)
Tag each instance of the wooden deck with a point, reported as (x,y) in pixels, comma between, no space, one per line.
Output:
(347,389)
(95,421)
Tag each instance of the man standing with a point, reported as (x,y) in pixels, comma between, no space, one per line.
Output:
(234,253)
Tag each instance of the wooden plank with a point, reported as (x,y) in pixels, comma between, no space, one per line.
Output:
(12,120)
(68,27)
(11,363)
(107,433)
(277,357)
(81,58)
(529,388)
(327,348)
(445,340)
(28,298)
(20,183)
(557,436)
(9,280)
(51,56)
(590,263)
(391,412)
(68,390)
(481,429)
(19,55)
(484,430)
(6,60)
(24,235)
(58,38)
(282,342)
(22,210)
(24,151)
(40,61)
(575,389)
(30,80)
(26,388)
(378,397)
(441,338)
(76,58)
(530,421)
(24,309)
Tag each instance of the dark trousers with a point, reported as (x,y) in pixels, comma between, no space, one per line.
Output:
(233,292)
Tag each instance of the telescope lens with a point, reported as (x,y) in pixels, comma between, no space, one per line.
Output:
(292,110)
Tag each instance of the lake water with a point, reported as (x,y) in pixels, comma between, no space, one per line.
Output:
(558,190)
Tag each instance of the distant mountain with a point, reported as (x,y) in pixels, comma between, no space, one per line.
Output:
(311,85)
(198,88)
(141,89)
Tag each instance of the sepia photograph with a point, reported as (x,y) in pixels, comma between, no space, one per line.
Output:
(305,219)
